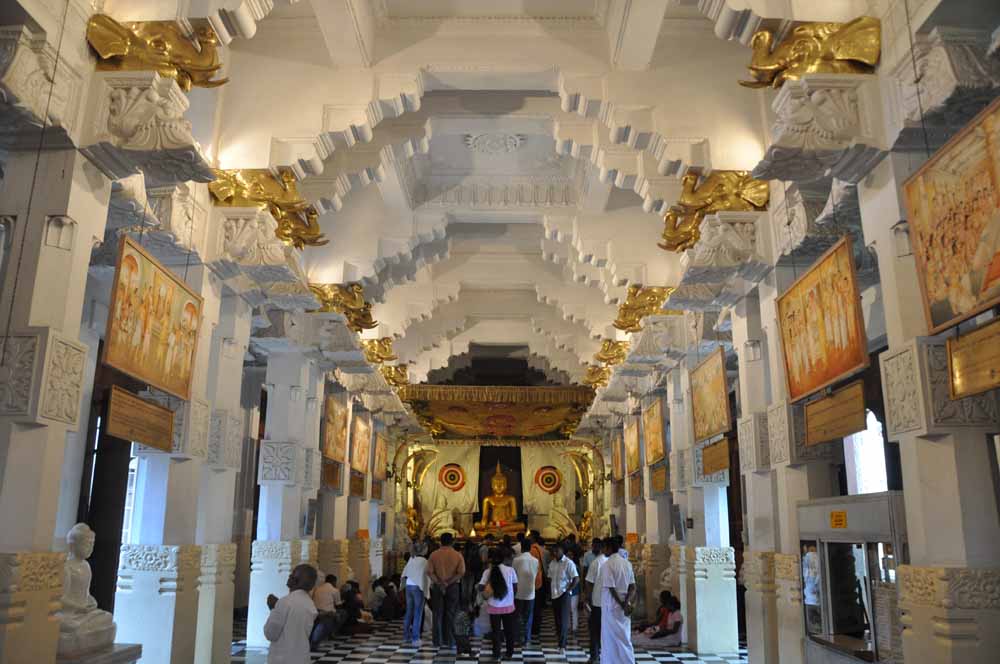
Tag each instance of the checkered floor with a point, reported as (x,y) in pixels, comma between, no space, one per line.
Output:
(385,646)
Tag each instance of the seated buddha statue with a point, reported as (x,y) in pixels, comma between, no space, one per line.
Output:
(83,627)
(499,509)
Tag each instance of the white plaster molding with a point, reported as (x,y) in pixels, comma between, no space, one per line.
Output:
(786,426)
(279,462)
(41,380)
(135,123)
(825,126)
(32,95)
(917,399)
(806,219)
(311,469)
(239,18)
(246,243)
(755,443)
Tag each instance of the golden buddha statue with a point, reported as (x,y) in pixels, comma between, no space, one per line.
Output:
(499,510)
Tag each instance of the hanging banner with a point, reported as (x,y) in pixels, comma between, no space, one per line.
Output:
(556,475)
(139,421)
(459,498)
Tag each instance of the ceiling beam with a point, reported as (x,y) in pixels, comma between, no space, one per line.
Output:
(633,27)
(348,28)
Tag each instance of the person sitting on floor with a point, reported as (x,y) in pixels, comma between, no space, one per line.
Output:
(666,632)
(326,597)
(662,613)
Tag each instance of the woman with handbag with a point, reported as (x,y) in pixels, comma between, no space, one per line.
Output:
(499,584)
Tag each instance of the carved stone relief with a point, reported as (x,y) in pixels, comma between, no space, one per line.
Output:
(17,374)
(949,587)
(64,367)
(755,445)
(278,462)
(31,572)
(159,558)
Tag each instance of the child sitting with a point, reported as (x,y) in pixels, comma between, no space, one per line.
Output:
(667,625)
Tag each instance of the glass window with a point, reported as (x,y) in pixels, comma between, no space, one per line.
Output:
(864,455)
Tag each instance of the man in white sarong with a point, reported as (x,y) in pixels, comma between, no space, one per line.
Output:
(617,583)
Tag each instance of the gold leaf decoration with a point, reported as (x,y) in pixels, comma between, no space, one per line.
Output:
(815,48)
(397,376)
(612,352)
(298,222)
(639,303)
(348,300)
(720,191)
(597,376)
(160,46)
(378,351)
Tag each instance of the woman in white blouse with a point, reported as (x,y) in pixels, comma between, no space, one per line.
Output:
(499,584)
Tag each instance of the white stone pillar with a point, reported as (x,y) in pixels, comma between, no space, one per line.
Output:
(52,217)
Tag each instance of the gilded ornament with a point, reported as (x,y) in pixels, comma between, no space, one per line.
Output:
(346,299)
(639,303)
(720,191)
(612,352)
(396,376)
(160,46)
(815,48)
(597,376)
(378,351)
(298,222)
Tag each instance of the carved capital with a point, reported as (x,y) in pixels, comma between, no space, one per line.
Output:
(217,561)
(917,399)
(786,426)
(225,440)
(716,270)
(951,588)
(755,444)
(135,123)
(41,380)
(809,218)
(31,571)
(825,126)
(279,462)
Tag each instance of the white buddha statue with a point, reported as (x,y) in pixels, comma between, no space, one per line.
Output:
(83,627)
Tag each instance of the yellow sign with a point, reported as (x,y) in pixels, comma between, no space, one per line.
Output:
(836,416)
(715,457)
(838,520)
(974,361)
(139,421)
(632,538)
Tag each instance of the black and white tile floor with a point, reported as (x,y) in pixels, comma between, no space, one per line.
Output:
(385,646)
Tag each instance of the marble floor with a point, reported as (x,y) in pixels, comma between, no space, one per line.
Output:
(385,646)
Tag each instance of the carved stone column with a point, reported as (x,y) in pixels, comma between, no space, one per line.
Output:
(360,562)
(156,600)
(42,370)
(657,561)
(215,600)
(333,558)
(788,599)
(270,564)
(711,599)
(761,604)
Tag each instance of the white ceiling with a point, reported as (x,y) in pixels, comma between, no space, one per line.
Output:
(488,8)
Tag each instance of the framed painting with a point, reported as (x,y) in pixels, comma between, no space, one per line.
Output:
(361,442)
(821,324)
(632,447)
(658,480)
(617,462)
(710,398)
(153,322)
(381,457)
(953,211)
(634,488)
(335,416)
(652,426)
(356,485)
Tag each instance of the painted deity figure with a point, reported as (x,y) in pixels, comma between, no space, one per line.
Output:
(499,509)
(83,627)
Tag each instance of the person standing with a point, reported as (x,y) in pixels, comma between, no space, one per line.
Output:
(445,569)
(539,604)
(526,568)
(416,583)
(617,583)
(291,620)
(596,548)
(499,585)
(563,577)
(592,594)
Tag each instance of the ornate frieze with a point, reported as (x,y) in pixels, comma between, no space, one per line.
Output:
(31,95)
(917,398)
(159,558)
(41,379)
(225,440)
(135,123)
(758,571)
(279,462)
(755,443)
(949,587)
(31,571)
(788,577)
(825,126)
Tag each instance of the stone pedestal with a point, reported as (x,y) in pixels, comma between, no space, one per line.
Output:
(711,599)
(30,588)
(118,653)
(949,614)
(214,638)
(788,595)
(156,602)
(761,606)
(270,564)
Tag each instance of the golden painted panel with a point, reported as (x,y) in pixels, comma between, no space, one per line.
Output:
(361,442)
(153,323)
(953,205)
(381,456)
(836,416)
(658,480)
(632,447)
(652,426)
(715,457)
(139,421)
(710,398)
(822,325)
(356,486)
(617,462)
(335,416)
(974,361)
(635,487)
(333,474)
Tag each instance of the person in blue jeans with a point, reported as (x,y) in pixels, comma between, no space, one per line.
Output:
(416,582)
